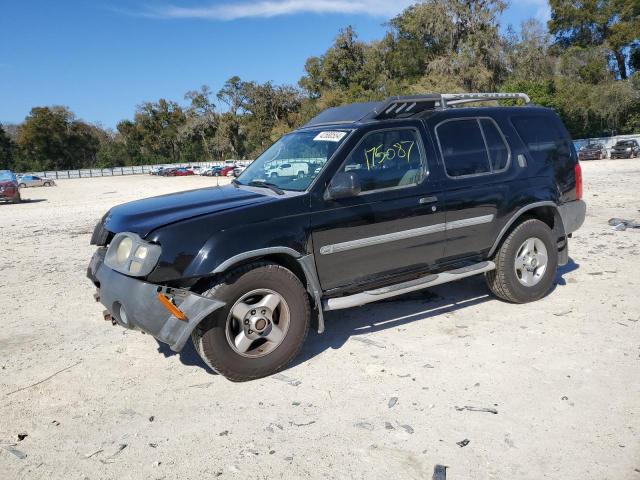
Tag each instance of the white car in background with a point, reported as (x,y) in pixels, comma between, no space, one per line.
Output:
(290,169)
(34,181)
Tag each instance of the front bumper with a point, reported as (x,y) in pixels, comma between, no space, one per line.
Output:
(590,156)
(133,303)
(618,155)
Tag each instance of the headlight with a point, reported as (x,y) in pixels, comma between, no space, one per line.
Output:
(131,255)
(124,250)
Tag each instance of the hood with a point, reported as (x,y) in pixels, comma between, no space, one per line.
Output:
(8,183)
(144,216)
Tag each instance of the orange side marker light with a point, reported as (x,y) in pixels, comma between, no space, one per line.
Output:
(171,308)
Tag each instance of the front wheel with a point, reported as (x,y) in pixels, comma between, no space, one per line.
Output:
(526,263)
(262,326)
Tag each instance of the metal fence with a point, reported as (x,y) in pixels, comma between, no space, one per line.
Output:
(142,169)
(120,171)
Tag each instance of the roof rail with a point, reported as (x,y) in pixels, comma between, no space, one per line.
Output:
(403,107)
(458,98)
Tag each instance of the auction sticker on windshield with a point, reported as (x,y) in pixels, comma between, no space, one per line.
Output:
(329,136)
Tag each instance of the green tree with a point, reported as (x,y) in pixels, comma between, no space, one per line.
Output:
(7,150)
(613,24)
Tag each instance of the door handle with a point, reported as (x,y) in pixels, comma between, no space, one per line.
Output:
(428,200)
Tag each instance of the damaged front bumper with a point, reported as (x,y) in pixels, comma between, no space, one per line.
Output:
(133,303)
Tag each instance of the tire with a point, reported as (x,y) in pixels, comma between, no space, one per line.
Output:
(22,185)
(213,338)
(505,282)
(47,184)
(17,199)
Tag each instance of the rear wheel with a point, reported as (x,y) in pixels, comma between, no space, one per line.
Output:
(526,263)
(47,184)
(22,185)
(262,326)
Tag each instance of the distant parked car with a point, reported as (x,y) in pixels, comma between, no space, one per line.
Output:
(35,181)
(157,170)
(238,170)
(625,149)
(292,169)
(227,171)
(9,191)
(212,171)
(180,172)
(593,151)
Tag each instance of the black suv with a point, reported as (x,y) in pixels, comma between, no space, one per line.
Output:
(625,149)
(386,198)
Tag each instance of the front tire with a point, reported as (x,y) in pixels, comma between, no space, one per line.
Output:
(261,328)
(526,264)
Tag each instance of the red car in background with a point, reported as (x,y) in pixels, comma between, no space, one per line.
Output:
(9,191)
(225,171)
(179,172)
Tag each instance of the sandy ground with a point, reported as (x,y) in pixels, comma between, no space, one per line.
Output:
(374,397)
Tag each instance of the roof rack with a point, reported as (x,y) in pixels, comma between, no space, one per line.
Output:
(406,107)
(402,107)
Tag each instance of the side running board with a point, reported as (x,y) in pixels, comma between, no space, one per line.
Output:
(370,296)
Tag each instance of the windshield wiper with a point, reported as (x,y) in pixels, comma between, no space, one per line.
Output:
(263,184)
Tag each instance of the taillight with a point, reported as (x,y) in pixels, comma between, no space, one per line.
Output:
(578,171)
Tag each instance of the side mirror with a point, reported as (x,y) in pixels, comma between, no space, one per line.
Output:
(343,185)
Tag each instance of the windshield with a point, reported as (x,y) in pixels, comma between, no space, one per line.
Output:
(6,176)
(295,160)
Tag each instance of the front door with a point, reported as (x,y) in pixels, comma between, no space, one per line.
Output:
(395,225)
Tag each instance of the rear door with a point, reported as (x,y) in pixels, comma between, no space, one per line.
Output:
(477,167)
(395,225)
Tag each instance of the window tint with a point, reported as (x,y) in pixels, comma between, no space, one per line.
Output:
(498,151)
(387,159)
(544,139)
(463,147)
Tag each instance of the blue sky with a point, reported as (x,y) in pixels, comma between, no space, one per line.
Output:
(101,58)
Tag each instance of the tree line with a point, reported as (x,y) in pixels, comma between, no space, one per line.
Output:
(585,63)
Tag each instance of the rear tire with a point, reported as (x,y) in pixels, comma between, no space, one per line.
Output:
(519,276)
(22,185)
(216,338)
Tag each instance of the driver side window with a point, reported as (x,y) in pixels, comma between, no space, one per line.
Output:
(387,159)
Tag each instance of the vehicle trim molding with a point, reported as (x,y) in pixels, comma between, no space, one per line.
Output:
(229,262)
(404,234)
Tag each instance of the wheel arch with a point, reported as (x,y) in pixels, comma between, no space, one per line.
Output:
(302,266)
(545,211)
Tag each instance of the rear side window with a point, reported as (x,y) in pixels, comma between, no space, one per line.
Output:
(472,146)
(543,137)
(498,151)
